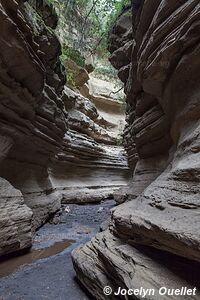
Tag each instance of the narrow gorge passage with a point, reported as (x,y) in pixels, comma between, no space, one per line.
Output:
(62,160)
(99,149)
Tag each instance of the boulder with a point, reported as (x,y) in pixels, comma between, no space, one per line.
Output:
(79,75)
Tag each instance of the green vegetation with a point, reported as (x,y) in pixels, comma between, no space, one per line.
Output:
(69,53)
(73,54)
(105,69)
(83,30)
(111,13)
(95,18)
(119,141)
(70,78)
(53,2)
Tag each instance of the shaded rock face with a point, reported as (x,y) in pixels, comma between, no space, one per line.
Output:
(153,240)
(16,217)
(46,11)
(54,146)
(32,122)
(15,224)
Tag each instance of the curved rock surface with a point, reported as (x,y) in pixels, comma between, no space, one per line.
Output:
(89,166)
(32,114)
(160,223)
(32,120)
(53,147)
(105,95)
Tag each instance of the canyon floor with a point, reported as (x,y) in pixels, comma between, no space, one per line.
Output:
(46,272)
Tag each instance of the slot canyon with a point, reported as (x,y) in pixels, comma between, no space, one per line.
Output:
(100,174)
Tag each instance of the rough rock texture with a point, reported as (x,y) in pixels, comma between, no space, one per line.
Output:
(16,217)
(52,147)
(32,121)
(162,140)
(15,222)
(89,167)
(110,261)
(106,97)
(80,75)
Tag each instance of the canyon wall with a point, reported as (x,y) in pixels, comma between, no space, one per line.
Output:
(90,166)
(153,239)
(53,144)
(32,121)
(105,96)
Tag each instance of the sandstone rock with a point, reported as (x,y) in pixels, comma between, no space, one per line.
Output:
(54,146)
(123,73)
(106,97)
(100,87)
(47,12)
(80,75)
(88,156)
(131,268)
(32,121)
(37,189)
(15,220)
(157,229)
(15,216)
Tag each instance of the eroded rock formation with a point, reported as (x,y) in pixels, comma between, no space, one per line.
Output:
(153,239)
(32,120)
(53,146)
(89,166)
(16,217)
(109,107)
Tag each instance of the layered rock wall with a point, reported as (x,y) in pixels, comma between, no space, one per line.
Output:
(153,239)
(53,147)
(109,102)
(16,217)
(29,108)
(90,166)
(32,121)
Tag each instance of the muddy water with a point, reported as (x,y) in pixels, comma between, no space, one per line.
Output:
(9,266)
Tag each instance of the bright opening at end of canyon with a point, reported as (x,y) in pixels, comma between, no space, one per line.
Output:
(99,149)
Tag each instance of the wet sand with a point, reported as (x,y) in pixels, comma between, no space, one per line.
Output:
(47,271)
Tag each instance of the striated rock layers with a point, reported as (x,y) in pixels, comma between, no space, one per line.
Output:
(52,146)
(32,122)
(89,166)
(15,216)
(153,239)
(106,98)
